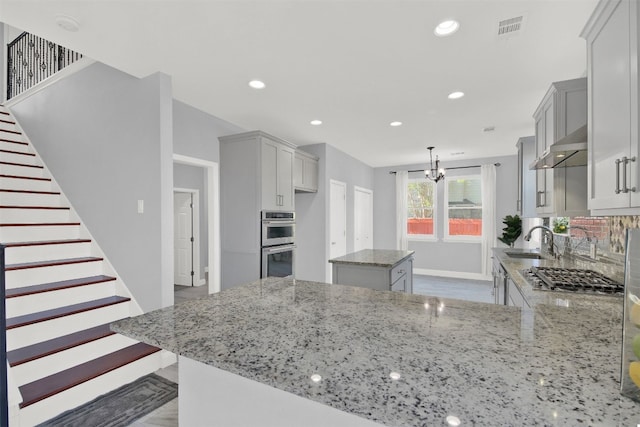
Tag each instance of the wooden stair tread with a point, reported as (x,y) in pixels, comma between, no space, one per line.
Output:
(45,243)
(11,131)
(7,121)
(17,152)
(13,141)
(6,190)
(64,380)
(50,263)
(42,316)
(24,177)
(37,224)
(56,286)
(34,207)
(21,164)
(42,349)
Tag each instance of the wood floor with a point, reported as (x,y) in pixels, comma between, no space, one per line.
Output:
(447,287)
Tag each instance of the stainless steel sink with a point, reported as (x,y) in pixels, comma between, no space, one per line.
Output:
(527,255)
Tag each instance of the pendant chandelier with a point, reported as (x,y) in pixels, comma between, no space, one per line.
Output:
(436,173)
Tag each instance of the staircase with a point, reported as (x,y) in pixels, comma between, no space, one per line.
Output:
(61,295)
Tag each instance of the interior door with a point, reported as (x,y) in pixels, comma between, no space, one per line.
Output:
(337,221)
(183,239)
(363,219)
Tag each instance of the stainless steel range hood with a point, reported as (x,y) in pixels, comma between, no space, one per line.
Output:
(565,152)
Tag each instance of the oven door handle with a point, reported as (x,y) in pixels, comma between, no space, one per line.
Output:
(276,222)
(276,249)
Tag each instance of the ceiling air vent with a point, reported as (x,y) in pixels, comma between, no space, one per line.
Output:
(510,27)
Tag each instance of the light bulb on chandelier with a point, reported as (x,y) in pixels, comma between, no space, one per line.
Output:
(436,173)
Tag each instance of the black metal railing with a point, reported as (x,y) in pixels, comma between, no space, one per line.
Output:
(4,404)
(31,59)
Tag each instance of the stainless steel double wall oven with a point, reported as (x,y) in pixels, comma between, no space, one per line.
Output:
(278,243)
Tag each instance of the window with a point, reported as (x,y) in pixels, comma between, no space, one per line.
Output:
(421,203)
(464,207)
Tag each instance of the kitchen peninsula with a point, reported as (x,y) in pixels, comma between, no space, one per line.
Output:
(381,269)
(345,355)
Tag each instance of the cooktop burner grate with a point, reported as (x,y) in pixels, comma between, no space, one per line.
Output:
(574,280)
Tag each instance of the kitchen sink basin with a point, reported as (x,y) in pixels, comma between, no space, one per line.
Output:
(527,255)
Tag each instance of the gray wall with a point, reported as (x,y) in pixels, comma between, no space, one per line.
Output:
(116,131)
(312,209)
(439,255)
(193,177)
(3,68)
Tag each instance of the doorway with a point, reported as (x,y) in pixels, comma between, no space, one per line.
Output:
(186,237)
(362,219)
(337,221)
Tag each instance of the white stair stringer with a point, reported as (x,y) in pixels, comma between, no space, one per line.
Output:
(29,202)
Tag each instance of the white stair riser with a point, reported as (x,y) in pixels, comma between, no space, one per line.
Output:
(29,199)
(45,366)
(21,148)
(85,392)
(43,331)
(20,254)
(36,276)
(21,216)
(25,184)
(21,171)
(19,306)
(7,126)
(41,232)
(18,158)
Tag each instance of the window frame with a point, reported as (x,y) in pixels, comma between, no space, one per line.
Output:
(458,238)
(425,237)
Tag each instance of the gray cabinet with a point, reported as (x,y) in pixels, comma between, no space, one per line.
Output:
(561,191)
(277,161)
(612,36)
(526,202)
(398,277)
(305,172)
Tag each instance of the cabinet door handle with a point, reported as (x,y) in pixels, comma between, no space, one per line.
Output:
(538,199)
(518,205)
(618,161)
(626,162)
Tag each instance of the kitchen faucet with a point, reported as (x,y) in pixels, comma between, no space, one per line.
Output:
(527,237)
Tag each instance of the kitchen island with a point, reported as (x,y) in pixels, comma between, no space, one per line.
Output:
(381,269)
(390,358)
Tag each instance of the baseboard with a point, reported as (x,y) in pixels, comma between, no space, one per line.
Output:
(453,274)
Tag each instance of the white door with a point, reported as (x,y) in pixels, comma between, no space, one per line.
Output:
(362,219)
(183,238)
(337,220)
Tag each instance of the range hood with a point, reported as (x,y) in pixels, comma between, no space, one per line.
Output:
(565,152)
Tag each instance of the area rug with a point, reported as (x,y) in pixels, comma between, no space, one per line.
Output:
(120,407)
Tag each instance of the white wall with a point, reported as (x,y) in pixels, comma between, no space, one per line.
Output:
(439,255)
(116,132)
(312,209)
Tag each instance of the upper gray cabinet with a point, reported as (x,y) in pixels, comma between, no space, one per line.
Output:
(258,167)
(612,37)
(305,172)
(526,204)
(561,191)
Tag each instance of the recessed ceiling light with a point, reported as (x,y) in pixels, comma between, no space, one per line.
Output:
(257,84)
(395,124)
(446,28)
(316,122)
(455,95)
(67,23)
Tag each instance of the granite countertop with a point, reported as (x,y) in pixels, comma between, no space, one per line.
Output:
(515,266)
(374,257)
(470,360)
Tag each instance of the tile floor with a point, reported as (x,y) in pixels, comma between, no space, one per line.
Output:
(469,290)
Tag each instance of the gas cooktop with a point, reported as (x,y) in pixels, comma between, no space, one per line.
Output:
(572,280)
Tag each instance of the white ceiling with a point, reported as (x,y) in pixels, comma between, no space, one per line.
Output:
(355,65)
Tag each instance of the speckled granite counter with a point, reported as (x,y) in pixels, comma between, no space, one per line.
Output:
(453,357)
(374,257)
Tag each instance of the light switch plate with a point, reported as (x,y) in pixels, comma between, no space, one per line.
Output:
(140,206)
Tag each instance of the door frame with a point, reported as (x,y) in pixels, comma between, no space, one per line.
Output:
(195,227)
(343,184)
(355,213)
(212,180)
